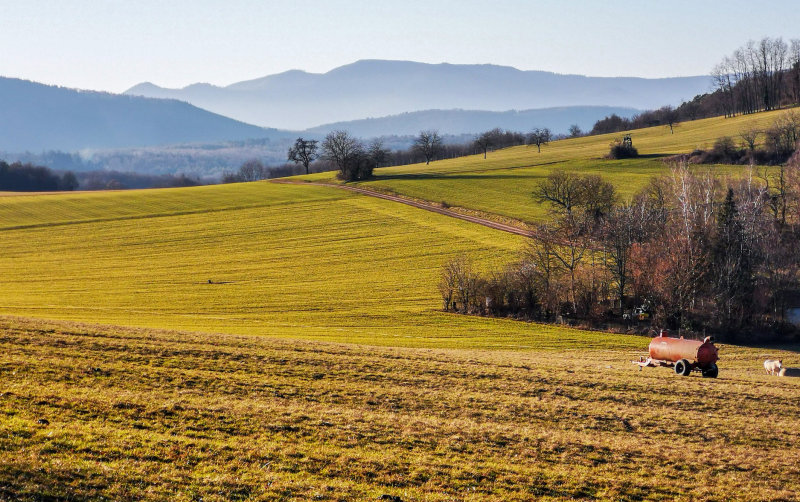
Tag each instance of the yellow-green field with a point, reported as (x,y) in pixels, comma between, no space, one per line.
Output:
(103,413)
(503,183)
(299,261)
(266,341)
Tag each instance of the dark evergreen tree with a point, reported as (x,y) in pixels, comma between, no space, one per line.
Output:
(732,266)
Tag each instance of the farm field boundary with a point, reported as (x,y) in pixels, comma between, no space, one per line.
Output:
(517,228)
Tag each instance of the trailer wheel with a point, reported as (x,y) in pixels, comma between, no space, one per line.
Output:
(711,372)
(683,367)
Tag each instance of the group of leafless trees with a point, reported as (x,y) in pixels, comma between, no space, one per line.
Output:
(763,75)
(355,160)
(758,76)
(430,145)
(251,170)
(498,138)
(770,146)
(352,158)
(665,116)
(255,170)
(695,251)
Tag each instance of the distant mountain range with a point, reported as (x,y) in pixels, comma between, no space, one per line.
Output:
(401,97)
(375,88)
(36,117)
(557,120)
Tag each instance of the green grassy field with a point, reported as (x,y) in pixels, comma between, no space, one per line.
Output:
(502,183)
(105,413)
(298,261)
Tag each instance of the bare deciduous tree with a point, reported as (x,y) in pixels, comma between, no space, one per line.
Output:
(428,144)
(669,116)
(562,191)
(751,79)
(303,152)
(347,153)
(487,140)
(539,253)
(621,230)
(252,170)
(572,196)
(750,137)
(458,284)
(540,137)
(568,247)
(377,153)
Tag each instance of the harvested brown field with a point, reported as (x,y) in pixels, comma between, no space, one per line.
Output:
(93,412)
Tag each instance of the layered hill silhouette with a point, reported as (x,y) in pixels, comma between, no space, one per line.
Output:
(475,121)
(376,88)
(41,117)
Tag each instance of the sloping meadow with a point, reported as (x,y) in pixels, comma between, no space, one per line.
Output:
(258,258)
(503,183)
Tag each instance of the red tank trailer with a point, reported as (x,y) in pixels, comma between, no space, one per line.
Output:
(684,355)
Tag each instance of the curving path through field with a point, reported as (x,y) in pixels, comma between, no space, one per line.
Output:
(428,206)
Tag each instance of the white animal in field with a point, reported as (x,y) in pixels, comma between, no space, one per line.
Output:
(789,372)
(773,366)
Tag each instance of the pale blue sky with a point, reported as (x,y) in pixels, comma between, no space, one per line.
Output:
(112,45)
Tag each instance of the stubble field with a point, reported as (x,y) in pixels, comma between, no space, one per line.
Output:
(98,412)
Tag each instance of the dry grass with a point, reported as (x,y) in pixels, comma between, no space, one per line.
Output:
(91,412)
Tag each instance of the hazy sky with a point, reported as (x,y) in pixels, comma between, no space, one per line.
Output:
(112,45)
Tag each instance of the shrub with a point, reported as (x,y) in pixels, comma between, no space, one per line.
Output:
(724,151)
(622,150)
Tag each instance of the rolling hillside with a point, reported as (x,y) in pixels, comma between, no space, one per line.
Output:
(376,88)
(327,259)
(39,117)
(284,260)
(502,183)
(271,341)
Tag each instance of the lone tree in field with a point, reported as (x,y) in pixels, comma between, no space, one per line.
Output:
(428,144)
(575,131)
(540,137)
(487,140)
(303,152)
(347,153)
(670,117)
